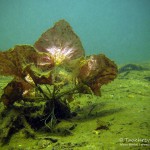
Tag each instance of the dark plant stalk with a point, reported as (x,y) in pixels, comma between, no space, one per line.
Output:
(48,90)
(72,91)
(42,92)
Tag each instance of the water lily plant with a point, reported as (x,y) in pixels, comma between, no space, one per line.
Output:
(52,71)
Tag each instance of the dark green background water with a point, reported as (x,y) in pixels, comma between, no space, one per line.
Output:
(118,28)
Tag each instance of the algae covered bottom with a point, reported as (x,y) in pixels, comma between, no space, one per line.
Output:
(119,119)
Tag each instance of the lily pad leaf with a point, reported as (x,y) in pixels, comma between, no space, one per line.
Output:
(96,71)
(61,42)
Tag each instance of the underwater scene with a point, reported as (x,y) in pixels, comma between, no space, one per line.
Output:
(74,75)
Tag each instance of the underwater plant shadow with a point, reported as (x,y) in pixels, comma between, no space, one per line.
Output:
(96,110)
